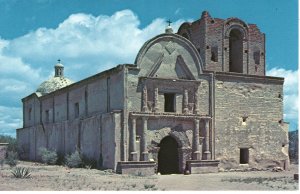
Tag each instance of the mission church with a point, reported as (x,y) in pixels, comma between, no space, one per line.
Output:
(197,100)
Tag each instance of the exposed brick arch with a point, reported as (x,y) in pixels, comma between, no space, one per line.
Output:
(179,135)
(235,23)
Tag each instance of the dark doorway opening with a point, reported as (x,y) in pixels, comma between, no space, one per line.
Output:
(236,51)
(169,102)
(168,156)
(244,155)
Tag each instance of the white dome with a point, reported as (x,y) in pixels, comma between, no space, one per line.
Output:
(53,84)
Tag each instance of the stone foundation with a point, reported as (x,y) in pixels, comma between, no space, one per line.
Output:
(140,168)
(202,166)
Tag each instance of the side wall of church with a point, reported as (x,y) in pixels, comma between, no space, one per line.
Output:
(249,114)
(86,115)
(94,136)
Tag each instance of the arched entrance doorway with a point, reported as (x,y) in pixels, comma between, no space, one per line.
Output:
(168,156)
(236,51)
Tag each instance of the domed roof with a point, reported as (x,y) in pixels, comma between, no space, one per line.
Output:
(56,82)
(59,65)
(53,84)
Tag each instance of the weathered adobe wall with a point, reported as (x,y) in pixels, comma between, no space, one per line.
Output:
(33,104)
(97,137)
(262,133)
(92,96)
(92,131)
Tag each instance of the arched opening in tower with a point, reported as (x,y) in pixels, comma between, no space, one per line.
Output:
(236,51)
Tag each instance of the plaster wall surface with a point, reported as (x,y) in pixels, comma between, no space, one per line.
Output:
(260,104)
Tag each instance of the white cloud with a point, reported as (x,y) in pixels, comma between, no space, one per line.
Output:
(85,43)
(83,40)
(10,119)
(291,102)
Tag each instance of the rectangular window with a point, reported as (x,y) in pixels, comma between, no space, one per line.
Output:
(256,57)
(214,54)
(76,109)
(47,116)
(29,114)
(169,102)
(244,155)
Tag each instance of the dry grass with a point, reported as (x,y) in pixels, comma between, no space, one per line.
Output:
(47,177)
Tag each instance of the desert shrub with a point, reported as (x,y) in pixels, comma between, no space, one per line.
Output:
(48,156)
(149,187)
(73,160)
(21,172)
(12,159)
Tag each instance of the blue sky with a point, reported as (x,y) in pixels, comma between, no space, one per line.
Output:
(35,33)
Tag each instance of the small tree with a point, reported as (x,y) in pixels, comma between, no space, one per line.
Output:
(73,160)
(12,159)
(48,156)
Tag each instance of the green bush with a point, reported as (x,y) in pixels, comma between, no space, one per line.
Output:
(73,160)
(48,156)
(21,172)
(12,159)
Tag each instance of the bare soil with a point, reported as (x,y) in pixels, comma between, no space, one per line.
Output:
(53,178)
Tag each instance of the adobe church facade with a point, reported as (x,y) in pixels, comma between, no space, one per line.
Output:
(194,100)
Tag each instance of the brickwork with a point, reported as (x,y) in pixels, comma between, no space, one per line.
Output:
(211,35)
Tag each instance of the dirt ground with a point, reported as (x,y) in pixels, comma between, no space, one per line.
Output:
(53,178)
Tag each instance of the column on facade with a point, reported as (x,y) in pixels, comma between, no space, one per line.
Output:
(185,102)
(155,99)
(132,141)
(196,110)
(144,151)
(207,153)
(196,143)
(145,107)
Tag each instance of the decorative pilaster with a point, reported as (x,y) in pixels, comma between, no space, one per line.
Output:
(132,141)
(145,107)
(196,104)
(156,100)
(207,153)
(196,145)
(185,102)
(144,151)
